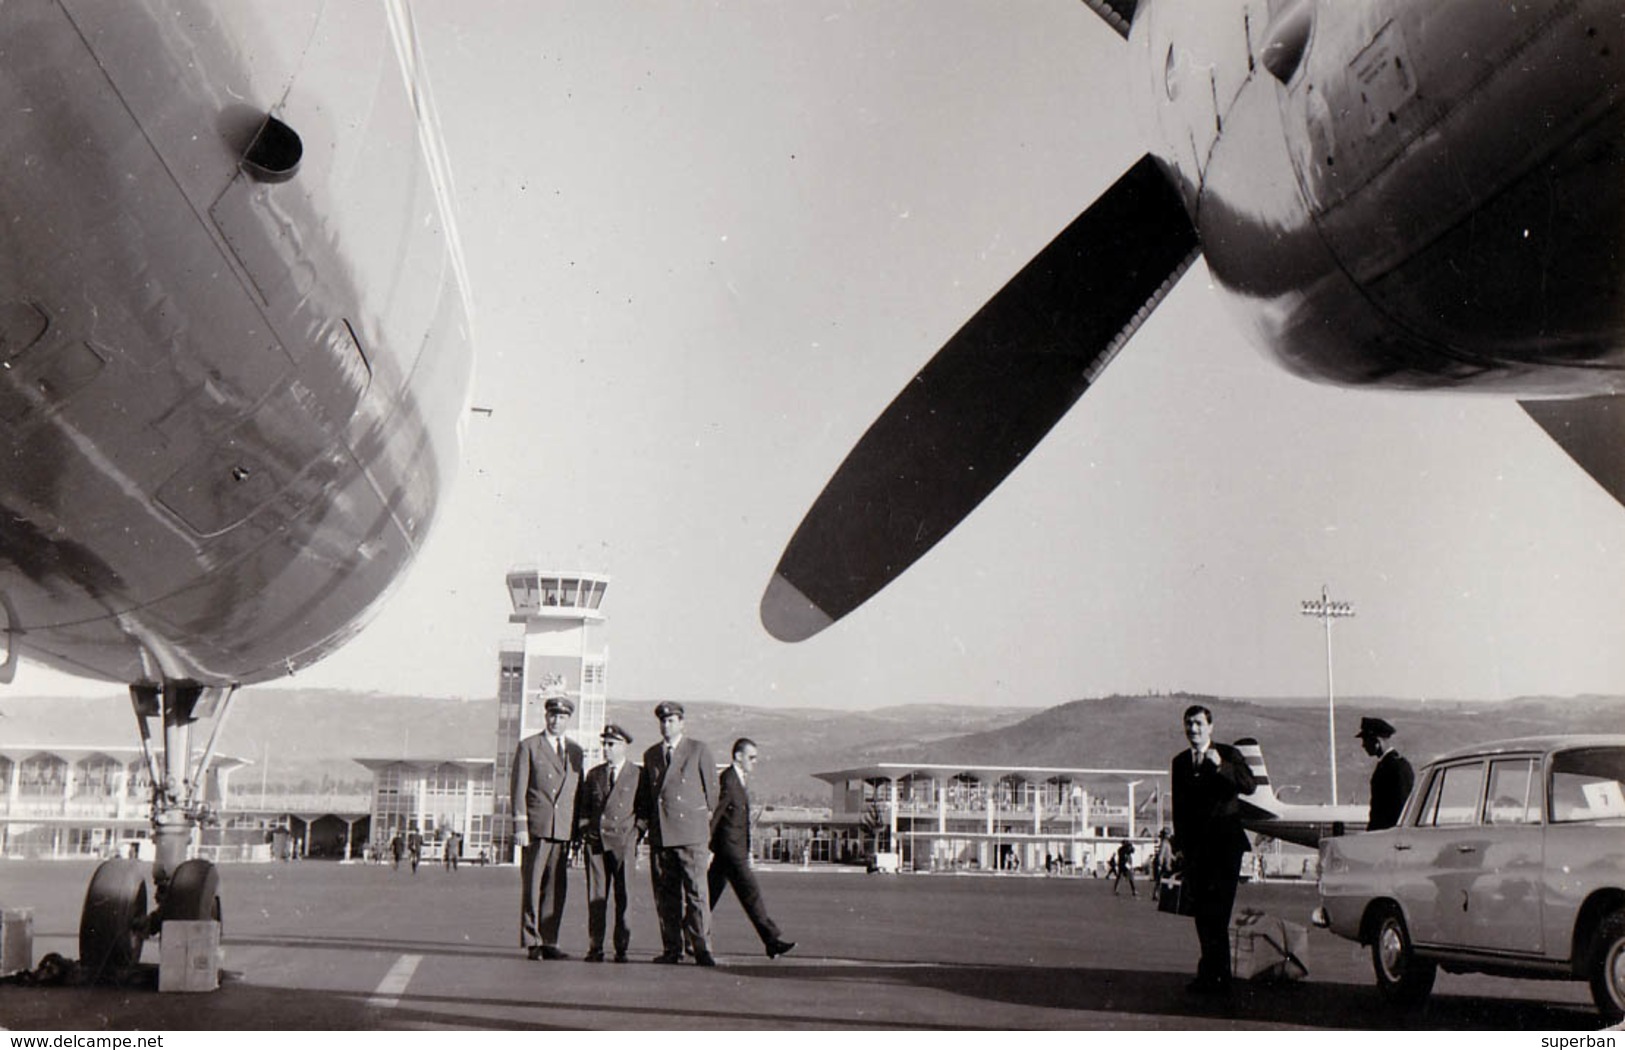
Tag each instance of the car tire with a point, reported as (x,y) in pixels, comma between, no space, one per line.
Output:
(1608,968)
(1402,978)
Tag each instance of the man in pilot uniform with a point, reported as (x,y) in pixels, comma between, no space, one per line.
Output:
(608,831)
(1391,778)
(676,793)
(546,774)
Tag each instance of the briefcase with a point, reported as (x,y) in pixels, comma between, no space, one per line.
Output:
(1174,897)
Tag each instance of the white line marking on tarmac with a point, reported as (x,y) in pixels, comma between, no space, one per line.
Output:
(387,995)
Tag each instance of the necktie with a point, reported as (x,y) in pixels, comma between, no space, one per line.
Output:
(612,778)
(560,743)
(668,755)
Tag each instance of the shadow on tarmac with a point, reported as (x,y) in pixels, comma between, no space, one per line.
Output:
(1152,993)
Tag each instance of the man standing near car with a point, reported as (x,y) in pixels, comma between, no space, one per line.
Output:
(1207,777)
(676,793)
(546,774)
(1391,778)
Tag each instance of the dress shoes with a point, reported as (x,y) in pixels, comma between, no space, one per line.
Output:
(620,956)
(552,954)
(669,958)
(534,952)
(594,956)
(778,948)
(705,959)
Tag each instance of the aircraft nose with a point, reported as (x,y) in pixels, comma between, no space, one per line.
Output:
(788,614)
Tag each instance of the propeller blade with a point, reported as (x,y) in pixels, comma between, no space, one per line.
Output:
(987,398)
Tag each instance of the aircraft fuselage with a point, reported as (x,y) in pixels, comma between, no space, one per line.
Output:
(1389,190)
(228,402)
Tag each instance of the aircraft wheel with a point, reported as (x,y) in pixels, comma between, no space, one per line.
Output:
(1402,978)
(193,893)
(1608,968)
(112,926)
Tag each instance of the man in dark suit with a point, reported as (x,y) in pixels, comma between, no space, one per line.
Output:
(1207,778)
(730,848)
(546,774)
(676,793)
(607,827)
(1391,778)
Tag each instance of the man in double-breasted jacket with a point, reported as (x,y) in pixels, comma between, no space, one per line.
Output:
(676,793)
(607,827)
(546,774)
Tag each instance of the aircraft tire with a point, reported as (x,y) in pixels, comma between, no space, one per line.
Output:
(193,893)
(112,925)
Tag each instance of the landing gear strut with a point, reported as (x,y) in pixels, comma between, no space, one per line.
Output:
(115,922)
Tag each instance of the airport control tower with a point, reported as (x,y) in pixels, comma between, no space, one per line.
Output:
(564,652)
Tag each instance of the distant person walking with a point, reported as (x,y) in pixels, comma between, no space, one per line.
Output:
(396,849)
(1207,778)
(606,825)
(730,848)
(677,790)
(414,847)
(546,774)
(1125,868)
(1391,778)
(451,851)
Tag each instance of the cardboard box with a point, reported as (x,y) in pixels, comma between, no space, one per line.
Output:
(1263,947)
(16,940)
(190,957)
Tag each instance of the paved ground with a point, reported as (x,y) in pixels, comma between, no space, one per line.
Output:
(372,948)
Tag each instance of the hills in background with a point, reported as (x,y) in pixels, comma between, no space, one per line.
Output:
(307,740)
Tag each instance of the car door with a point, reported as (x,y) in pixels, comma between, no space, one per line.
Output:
(1440,853)
(1505,899)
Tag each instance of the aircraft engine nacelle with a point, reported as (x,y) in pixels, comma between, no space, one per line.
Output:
(1419,195)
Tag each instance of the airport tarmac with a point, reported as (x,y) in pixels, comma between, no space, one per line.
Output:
(370,947)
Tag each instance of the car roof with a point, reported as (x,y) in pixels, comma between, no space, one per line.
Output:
(1549,742)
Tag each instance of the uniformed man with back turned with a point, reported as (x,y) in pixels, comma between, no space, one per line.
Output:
(1391,778)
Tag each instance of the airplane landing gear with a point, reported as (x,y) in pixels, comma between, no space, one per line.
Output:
(115,921)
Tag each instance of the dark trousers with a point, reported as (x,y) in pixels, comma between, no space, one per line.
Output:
(1213,882)
(606,874)
(727,869)
(678,876)
(543,867)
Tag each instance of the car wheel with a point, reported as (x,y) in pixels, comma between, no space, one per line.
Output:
(1402,978)
(1608,968)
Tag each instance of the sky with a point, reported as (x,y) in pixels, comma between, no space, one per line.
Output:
(709,242)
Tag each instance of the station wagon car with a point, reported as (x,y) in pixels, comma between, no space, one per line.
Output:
(1509,859)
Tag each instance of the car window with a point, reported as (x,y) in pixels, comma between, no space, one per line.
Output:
(1515,792)
(1587,784)
(1452,797)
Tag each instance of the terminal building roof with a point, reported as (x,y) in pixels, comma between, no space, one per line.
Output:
(947,771)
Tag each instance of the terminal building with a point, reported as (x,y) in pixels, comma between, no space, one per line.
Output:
(59,799)
(952,817)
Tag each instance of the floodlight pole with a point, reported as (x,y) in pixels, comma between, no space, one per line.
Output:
(1327,610)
